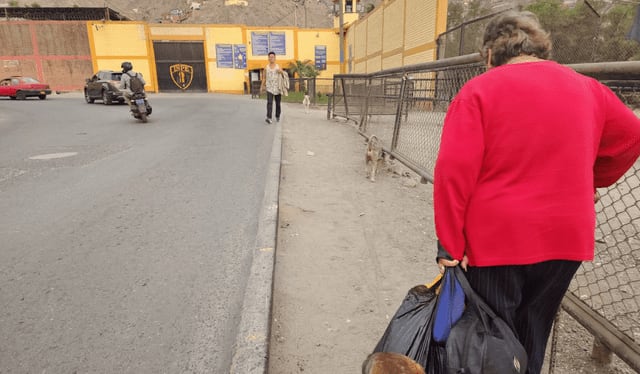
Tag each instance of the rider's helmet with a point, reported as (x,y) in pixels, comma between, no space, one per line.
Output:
(126,66)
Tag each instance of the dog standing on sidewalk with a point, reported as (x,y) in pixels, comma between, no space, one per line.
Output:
(374,157)
(306,102)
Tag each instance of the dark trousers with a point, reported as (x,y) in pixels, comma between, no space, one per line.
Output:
(527,297)
(270,98)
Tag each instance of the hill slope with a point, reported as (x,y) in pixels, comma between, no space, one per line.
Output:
(300,13)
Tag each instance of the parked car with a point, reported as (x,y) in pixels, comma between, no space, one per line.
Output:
(19,87)
(104,86)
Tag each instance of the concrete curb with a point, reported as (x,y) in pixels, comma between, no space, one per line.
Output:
(252,342)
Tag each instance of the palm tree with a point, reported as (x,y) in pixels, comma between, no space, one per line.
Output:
(305,70)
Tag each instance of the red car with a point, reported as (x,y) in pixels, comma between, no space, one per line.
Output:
(20,88)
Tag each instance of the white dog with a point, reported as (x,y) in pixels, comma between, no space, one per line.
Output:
(306,102)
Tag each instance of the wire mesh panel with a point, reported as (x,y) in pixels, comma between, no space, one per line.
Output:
(338,106)
(383,98)
(407,111)
(425,102)
(610,285)
(350,97)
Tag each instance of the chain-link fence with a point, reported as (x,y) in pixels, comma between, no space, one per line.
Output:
(463,39)
(405,108)
(605,293)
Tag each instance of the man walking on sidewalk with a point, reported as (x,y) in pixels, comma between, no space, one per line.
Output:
(275,81)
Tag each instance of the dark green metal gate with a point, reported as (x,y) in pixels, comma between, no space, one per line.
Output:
(180,66)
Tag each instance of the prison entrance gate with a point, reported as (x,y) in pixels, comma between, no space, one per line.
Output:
(180,66)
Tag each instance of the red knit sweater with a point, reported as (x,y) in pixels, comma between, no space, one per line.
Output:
(523,148)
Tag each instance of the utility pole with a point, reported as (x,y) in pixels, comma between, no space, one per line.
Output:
(341,35)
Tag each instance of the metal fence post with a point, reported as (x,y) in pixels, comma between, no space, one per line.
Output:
(398,120)
(344,97)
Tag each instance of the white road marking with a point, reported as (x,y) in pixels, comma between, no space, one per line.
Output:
(50,156)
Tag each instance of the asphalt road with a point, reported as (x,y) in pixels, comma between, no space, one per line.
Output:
(125,247)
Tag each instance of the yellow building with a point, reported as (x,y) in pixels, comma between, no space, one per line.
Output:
(208,58)
(228,58)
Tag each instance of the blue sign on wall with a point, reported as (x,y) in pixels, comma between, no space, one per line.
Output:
(277,43)
(239,56)
(259,43)
(321,57)
(224,55)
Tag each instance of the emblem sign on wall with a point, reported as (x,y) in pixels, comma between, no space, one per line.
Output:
(181,75)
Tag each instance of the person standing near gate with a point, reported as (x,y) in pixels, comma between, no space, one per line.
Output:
(523,148)
(275,83)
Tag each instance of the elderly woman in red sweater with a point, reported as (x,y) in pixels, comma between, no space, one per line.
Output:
(524,147)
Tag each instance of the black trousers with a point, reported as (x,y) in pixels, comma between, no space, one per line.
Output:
(270,98)
(527,297)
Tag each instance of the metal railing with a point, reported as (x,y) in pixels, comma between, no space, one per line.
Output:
(405,108)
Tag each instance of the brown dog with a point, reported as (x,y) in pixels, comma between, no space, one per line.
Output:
(374,157)
(390,363)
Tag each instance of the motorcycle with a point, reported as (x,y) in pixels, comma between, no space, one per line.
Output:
(140,107)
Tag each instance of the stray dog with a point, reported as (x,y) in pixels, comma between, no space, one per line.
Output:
(374,158)
(306,102)
(390,363)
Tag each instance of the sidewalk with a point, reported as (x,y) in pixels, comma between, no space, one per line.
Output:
(348,250)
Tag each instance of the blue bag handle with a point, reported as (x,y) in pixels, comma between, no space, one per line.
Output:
(449,307)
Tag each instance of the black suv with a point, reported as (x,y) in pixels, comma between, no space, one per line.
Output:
(104,86)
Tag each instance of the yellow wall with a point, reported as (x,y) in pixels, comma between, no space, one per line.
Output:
(308,39)
(223,79)
(111,43)
(396,33)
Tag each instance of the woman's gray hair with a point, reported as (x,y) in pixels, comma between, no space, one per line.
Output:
(512,34)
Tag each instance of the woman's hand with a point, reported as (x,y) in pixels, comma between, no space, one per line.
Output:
(444,263)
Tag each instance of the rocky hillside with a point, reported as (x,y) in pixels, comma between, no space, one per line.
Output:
(300,13)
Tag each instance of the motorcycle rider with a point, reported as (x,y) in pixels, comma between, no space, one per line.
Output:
(125,80)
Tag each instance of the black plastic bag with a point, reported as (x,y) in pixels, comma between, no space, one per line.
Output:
(410,331)
(481,342)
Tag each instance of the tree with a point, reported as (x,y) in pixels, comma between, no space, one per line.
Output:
(592,32)
(304,69)
(614,46)
(462,24)
(589,31)
(571,31)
